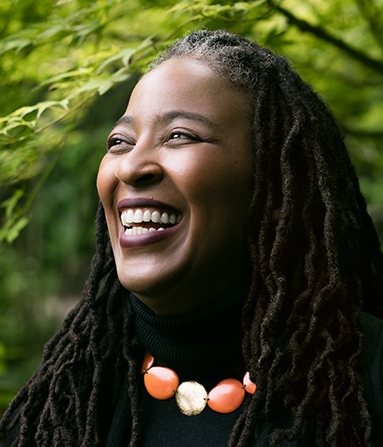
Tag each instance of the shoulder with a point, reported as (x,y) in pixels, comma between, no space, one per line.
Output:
(372,329)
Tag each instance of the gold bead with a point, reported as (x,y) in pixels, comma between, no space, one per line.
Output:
(191,398)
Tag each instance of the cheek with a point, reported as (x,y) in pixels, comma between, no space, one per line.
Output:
(106,181)
(231,177)
(217,186)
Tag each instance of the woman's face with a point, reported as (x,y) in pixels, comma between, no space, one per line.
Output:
(176,184)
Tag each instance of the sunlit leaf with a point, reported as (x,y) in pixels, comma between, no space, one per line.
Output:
(71,74)
(52,31)
(55,67)
(124,55)
(16,44)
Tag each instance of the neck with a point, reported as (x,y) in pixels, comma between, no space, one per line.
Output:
(187,295)
(197,345)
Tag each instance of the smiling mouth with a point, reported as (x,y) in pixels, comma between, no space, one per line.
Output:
(137,221)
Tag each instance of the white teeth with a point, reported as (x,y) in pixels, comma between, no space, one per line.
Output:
(127,217)
(172,219)
(165,218)
(147,216)
(138,216)
(156,216)
(130,216)
(136,231)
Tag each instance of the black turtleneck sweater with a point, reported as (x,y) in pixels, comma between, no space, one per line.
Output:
(206,347)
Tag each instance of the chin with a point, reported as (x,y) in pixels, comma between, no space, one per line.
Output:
(146,285)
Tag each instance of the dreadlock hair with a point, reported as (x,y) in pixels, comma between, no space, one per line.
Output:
(316,264)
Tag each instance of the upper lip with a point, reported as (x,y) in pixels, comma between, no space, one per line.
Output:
(142,202)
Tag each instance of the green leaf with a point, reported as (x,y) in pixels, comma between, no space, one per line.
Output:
(105,86)
(124,55)
(68,75)
(17,44)
(42,106)
(84,30)
(15,221)
(11,203)
(13,232)
(52,31)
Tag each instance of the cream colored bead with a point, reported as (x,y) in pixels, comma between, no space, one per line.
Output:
(191,398)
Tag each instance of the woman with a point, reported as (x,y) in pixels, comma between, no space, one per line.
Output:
(239,241)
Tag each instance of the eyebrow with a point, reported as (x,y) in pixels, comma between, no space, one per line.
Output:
(170,116)
(125,119)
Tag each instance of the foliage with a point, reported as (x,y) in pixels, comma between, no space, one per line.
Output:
(75,50)
(58,88)
(5,395)
(67,67)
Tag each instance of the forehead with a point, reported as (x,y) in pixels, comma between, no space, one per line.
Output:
(188,84)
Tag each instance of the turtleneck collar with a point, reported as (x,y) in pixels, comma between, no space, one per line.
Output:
(201,346)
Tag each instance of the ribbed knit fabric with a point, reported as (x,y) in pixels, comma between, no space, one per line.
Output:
(162,424)
(199,341)
(205,347)
(201,346)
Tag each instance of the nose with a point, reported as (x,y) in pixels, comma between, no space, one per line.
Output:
(139,168)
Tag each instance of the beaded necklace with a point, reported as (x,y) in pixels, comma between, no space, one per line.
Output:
(191,397)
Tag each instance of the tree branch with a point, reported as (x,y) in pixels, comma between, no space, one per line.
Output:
(305,26)
(374,18)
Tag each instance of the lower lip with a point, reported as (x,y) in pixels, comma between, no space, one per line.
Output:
(151,237)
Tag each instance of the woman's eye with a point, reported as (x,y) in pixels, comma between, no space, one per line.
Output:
(184,136)
(178,135)
(116,143)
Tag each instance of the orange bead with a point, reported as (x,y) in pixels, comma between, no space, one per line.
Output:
(147,363)
(250,387)
(161,383)
(227,396)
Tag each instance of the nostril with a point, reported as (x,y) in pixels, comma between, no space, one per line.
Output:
(147,178)
(139,172)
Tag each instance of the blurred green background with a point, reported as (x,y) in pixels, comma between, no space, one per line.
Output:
(66,70)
